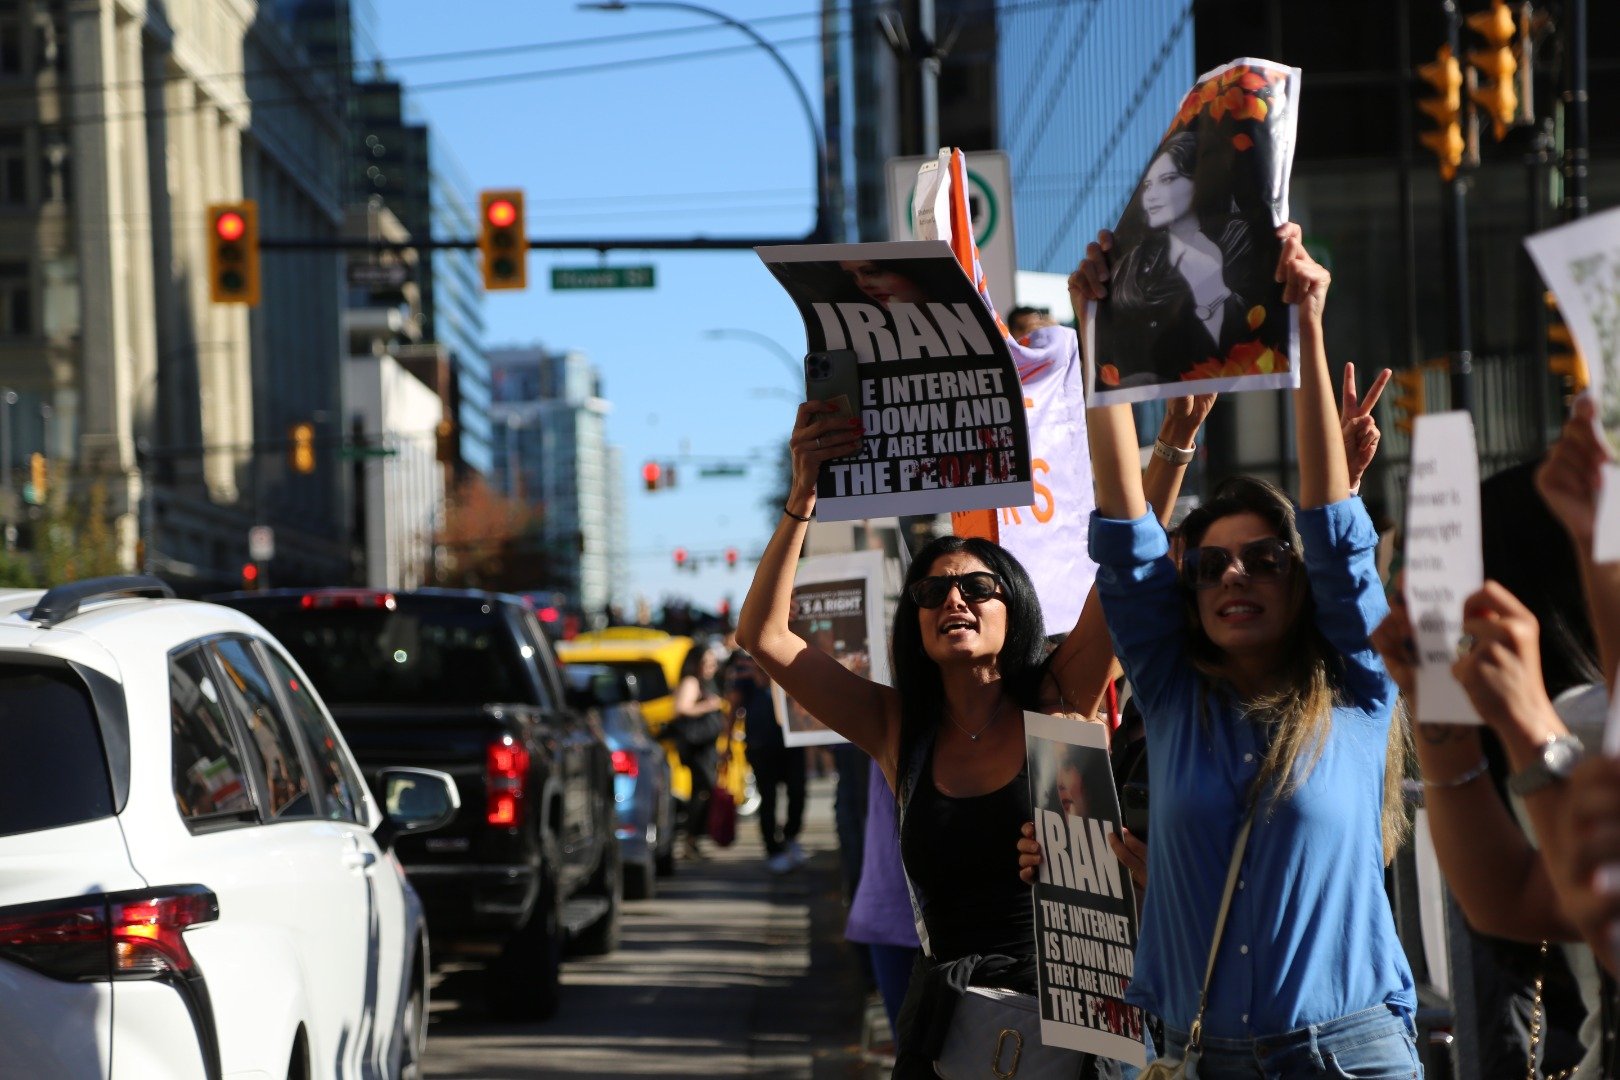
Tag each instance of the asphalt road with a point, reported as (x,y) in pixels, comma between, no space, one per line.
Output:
(730,971)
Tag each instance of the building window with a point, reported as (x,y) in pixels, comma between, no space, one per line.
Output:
(11,32)
(13,170)
(16,302)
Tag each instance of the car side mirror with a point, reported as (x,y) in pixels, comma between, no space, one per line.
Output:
(415,800)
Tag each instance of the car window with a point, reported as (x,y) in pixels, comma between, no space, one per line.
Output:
(53,771)
(209,778)
(423,654)
(339,785)
(649,675)
(272,747)
(545,664)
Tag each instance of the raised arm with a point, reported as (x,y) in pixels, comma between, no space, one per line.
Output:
(1115,456)
(864,712)
(1179,432)
(1323,471)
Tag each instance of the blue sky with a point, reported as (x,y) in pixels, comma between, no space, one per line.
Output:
(710,146)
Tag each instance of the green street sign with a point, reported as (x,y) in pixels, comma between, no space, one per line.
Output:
(602,277)
(357,453)
(723,470)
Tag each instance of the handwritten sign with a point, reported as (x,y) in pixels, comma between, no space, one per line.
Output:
(1444,559)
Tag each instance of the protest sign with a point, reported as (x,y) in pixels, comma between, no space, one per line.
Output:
(1193,306)
(1580,262)
(1445,563)
(1085,909)
(940,401)
(837,607)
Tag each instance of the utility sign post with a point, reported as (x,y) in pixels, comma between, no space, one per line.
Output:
(602,277)
(989,203)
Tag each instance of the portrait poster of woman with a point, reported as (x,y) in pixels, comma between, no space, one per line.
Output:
(1192,304)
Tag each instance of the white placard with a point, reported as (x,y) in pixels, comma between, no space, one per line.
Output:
(838,608)
(1444,559)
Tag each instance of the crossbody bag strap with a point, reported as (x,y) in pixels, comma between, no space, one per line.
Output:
(911,769)
(1196,1035)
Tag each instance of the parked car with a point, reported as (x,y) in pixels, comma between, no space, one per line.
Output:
(641,795)
(654,658)
(465,681)
(197,883)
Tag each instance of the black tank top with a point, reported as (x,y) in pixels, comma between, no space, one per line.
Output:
(962,858)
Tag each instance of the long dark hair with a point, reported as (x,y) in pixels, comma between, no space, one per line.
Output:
(1143,277)
(916,676)
(1299,713)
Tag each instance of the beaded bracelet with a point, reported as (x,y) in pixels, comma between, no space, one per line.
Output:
(1468,777)
(796,517)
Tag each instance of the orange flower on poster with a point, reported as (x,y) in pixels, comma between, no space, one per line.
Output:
(1245,358)
(1208,92)
(1108,374)
(1257,315)
(1251,81)
(1241,142)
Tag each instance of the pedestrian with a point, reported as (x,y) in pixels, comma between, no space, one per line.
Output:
(968,646)
(778,768)
(1261,696)
(700,719)
(880,916)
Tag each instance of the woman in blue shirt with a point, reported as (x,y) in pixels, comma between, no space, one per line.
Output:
(1260,688)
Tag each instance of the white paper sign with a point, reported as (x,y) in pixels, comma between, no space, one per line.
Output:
(1580,262)
(838,608)
(1444,560)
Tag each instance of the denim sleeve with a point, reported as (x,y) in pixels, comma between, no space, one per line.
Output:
(1341,562)
(1142,603)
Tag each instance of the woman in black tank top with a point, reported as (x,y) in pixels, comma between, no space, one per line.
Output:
(968,649)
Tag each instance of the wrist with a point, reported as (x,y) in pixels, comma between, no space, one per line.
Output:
(1524,739)
(1178,436)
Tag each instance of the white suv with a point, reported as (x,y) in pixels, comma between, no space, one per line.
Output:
(194,880)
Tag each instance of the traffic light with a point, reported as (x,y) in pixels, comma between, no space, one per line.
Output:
(1410,398)
(38,480)
(502,240)
(1563,357)
(1497,64)
(731,558)
(669,475)
(301,447)
(250,576)
(1446,141)
(651,474)
(680,558)
(233,253)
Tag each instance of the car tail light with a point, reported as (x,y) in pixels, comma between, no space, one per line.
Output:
(505,771)
(625,764)
(349,598)
(135,935)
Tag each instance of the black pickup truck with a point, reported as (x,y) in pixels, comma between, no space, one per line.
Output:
(466,682)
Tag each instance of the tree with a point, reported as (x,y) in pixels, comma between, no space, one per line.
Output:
(492,542)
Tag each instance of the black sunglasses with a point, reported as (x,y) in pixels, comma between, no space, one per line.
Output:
(975,587)
(1260,560)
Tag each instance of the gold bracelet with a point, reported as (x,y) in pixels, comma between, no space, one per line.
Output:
(1468,777)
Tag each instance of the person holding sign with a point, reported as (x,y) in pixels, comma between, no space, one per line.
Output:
(969,654)
(1262,694)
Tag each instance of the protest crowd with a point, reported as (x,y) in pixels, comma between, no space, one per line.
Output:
(1290,704)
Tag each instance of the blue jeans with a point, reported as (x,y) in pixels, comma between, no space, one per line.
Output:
(1374,1044)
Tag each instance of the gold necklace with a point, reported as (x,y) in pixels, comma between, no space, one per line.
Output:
(973,736)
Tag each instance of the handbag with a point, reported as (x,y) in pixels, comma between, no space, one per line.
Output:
(1186,1067)
(722,823)
(998,1033)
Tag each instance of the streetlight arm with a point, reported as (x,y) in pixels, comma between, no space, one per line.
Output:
(794,365)
(781,62)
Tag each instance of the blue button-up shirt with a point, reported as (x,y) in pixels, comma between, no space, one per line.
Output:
(1310,936)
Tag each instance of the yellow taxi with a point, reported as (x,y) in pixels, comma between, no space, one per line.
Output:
(655,658)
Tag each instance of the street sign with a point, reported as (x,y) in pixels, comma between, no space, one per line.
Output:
(723,470)
(261,543)
(989,204)
(378,275)
(601,277)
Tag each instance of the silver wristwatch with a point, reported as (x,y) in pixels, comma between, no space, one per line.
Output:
(1173,454)
(1559,756)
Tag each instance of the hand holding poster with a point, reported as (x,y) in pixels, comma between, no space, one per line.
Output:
(1085,908)
(837,607)
(942,408)
(1445,563)
(1580,262)
(1193,306)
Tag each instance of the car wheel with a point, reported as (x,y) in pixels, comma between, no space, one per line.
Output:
(640,881)
(413,1030)
(525,983)
(602,936)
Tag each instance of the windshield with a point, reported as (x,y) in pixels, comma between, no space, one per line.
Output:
(427,654)
(649,675)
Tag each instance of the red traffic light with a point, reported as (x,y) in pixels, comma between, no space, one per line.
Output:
(731,556)
(230,226)
(680,557)
(651,474)
(501,213)
(250,573)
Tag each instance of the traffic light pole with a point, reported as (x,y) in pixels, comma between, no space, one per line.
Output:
(700,243)
(1456,225)
(1577,137)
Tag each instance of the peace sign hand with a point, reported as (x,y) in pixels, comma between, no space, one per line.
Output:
(1356,422)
